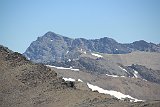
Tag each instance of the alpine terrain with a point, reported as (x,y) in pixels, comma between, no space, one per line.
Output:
(132,69)
(57,71)
(27,84)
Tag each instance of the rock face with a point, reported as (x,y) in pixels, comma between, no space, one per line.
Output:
(53,47)
(147,74)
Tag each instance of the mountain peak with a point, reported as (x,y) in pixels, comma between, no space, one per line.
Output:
(54,47)
(51,34)
(141,41)
(107,39)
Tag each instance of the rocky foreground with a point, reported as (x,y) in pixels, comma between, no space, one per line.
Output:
(26,84)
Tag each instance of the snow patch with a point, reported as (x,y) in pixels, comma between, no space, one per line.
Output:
(75,69)
(28,58)
(71,79)
(123,69)
(122,76)
(63,68)
(69,60)
(84,52)
(112,93)
(67,52)
(51,40)
(68,79)
(97,55)
(80,80)
(58,67)
(114,75)
(144,79)
(135,73)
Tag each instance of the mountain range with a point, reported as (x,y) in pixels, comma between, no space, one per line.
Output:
(57,71)
(93,55)
(53,47)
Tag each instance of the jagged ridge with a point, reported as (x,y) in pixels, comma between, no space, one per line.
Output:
(53,47)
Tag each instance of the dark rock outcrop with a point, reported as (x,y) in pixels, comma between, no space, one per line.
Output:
(147,74)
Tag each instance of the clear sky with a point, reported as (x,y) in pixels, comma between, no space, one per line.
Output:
(22,21)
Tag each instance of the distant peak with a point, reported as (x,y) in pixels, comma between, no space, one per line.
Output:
(107,39)
(141,41)
(50,33)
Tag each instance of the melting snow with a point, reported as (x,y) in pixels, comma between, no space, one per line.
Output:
(122,76)
(63,68)
(80,80)
(97,55)
(71,79)
(67,52)
(135,73)
(123,69)
(28,58)
(144,79)
(68,79)
(58,67)
(84,52)
(75,69)
(112,93)
(114,75)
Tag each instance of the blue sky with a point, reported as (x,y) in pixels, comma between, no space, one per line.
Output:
(22,21)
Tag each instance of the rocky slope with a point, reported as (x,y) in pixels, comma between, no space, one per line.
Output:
(53,47)
(148,59)
(113,65)
(137,80)
(26,84)
(23,83)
